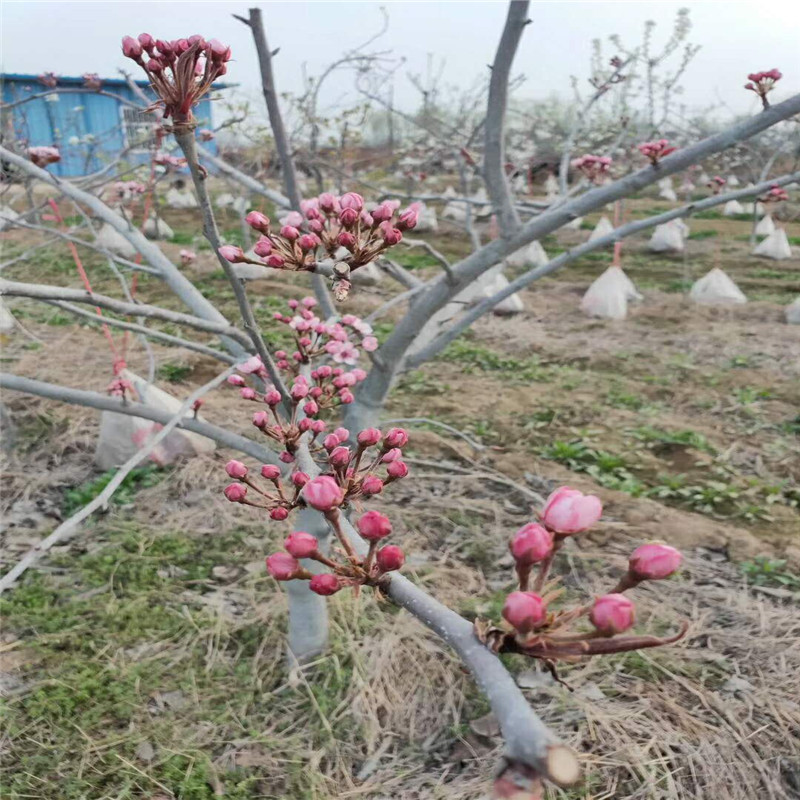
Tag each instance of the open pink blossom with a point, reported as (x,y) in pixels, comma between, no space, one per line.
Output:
(570,511)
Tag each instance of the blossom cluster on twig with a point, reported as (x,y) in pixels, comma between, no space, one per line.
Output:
(762,83)
(181,71)
(716,184)
(342,227)
(537,630)
(595,168)
(776,194)
(44,155)
(655,151)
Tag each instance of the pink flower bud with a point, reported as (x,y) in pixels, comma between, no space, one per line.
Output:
(570,511)
(276,261)
(346,240)
(323,493)
(324,584)
(397,437)
(372,484)
(247,393)
(253,364)
(330,441)
(397,469)
(351,200)
(145,40)
(236,380)
(282,566)
(258,221)
(327,202)
(235,492)
(392,236)
(290,232)
(272,397)
(261,419)
(286,457)
(524,611)
(342,434)
(348,217)
(316,226)
(300,479)
(318,425)
(369,437)
(263,247)
(390,558)
(298,391)
(346,397)
(369,343)
(382,213)
(304,425)
(654,561)
(531,544)
(340,456)
(310,408)
(236,469)
(279,514)
(271,472)
(359,374)
(232,253)
(391,455)
(131,48)
(612,613)
(300,544)
(373,526)
(307,241)
(408,219)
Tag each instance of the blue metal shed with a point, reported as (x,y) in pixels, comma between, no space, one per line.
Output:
(88,128)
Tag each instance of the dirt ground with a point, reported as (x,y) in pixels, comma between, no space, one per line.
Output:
(144,658)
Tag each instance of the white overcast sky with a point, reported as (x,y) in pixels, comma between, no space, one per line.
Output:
(70,38)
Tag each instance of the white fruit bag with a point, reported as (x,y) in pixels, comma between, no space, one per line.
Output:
(793,312)
(775,246)
(111,239)
(666,238)
(178,199)
(603,228)
(608,296)
(732,207)
(765,226)
(716,288)
(121,435)
(528,257)
(156,228)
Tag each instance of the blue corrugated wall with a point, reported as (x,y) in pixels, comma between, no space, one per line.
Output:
(76,115)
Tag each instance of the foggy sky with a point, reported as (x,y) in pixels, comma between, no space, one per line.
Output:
(70,38)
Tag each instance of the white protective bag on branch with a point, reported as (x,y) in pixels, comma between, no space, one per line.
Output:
(455,211)
(427,221)
(121,435)
(6,214)
(603,228)
(575,225)
(765,226)
(227,200)
(528,257)
(703,178)
(177,199)
(7,323)
(716,288)
(155,228)
(775,246)
(667,238)
(608,296)
(449,192)
(111,239)
(666,191)
(793,312)
(368,275)
(732,207)
(551,189)
(481,197)
(733,181)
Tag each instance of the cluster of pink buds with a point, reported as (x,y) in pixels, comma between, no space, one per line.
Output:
(205,135)
(180,71)
(655,151)
(351,475)
(595,168)
(119,387)
(341,226)
(776,194)
(187,257)
(762,83)
(48,79)
(91,80)
(169,161)
(42,156)
(716,184)
(123,191)
(541,633)
(271,493)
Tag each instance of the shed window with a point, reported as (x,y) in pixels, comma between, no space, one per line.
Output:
(139,129)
